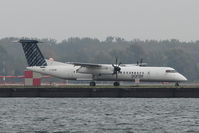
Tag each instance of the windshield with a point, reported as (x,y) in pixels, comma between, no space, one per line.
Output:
(170,71)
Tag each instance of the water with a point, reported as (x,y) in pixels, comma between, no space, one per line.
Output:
(109,115)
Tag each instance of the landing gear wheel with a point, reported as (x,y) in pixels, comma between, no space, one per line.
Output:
(177,84)
(92,84)
(116,84)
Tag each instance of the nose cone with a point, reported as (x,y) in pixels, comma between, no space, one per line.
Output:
(181,78)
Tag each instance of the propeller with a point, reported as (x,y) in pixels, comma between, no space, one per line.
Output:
(141,63)
(116,67)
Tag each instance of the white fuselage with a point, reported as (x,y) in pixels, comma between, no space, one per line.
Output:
(128,73)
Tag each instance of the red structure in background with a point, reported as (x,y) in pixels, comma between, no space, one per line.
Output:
(28,74)
(31,78)
(28,79)
(36,81)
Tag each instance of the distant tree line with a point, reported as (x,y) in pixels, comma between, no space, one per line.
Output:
(183,56)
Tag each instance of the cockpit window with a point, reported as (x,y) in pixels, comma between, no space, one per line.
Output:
(170,71)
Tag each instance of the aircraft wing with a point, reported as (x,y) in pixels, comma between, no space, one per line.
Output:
(89,65)
(92,68)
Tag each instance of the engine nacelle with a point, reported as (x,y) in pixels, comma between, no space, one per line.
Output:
(96,70)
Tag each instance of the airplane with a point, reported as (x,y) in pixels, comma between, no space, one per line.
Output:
(96,72)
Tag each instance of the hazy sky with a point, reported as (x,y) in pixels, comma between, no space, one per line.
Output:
(60,19)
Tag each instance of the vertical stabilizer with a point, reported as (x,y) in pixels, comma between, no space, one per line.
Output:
(32,53)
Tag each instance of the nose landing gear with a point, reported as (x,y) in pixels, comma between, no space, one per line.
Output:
(116,83)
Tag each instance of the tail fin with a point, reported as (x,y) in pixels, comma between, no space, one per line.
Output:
(32,53)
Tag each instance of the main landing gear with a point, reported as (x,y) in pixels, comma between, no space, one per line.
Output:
(116,83)
(177,84)
(92,83)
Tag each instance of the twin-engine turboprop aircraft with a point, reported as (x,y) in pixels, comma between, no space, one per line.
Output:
(96,72)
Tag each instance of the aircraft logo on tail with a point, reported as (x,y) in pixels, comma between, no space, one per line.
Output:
(32,53)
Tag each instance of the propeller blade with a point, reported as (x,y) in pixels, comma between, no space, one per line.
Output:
(119,63)
(141,61)
(116,76)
